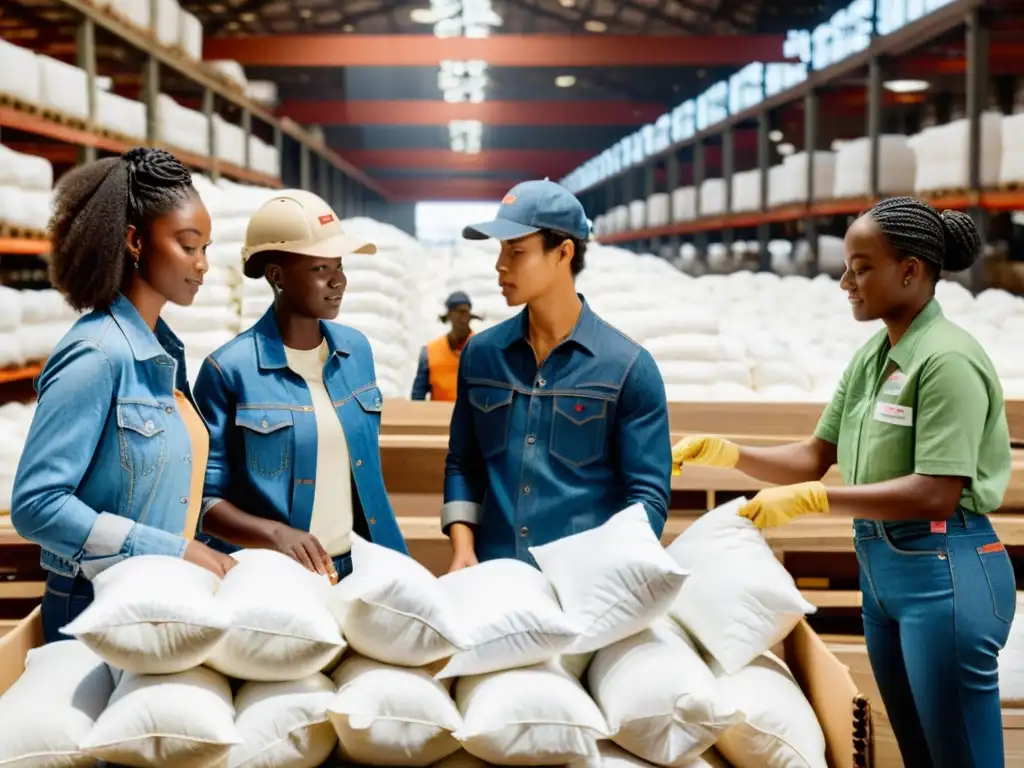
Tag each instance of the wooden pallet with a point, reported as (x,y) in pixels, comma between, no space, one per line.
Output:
(21,233)
(1011,186)
(11,101)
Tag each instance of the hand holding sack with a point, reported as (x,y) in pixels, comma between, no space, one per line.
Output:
(705,450)
(777,506)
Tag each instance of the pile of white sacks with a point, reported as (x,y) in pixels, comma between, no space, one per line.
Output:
(617,650)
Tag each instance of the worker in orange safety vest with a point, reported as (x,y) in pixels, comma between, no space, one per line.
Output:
(439,360)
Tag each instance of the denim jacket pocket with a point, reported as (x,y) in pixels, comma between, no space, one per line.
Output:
(268,435)
(579,429)
(491,413)
(370,400)
(140,431)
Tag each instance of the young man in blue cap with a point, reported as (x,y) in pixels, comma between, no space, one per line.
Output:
(439,360)
(560,420)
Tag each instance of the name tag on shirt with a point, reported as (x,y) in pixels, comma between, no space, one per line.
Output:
(900,415)
(894,385)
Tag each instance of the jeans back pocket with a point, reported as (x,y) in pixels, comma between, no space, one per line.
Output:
(1002,584)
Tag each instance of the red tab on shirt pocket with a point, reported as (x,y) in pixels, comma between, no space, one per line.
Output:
(987,549)
(939,527)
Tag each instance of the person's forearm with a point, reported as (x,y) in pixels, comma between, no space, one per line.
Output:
(462,536)
(229,523)
(782,464)
(913,497)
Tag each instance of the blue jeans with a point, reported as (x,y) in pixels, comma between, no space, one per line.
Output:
(65,598)
(937,611)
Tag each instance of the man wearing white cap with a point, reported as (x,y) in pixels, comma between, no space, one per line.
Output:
(293,405)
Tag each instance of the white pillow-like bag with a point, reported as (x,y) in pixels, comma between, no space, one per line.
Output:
(739,600)
(613,580)
(284,725)
(393,609)
(392,716)
(781,729)
(186,720)
(659,697)
(152,615)
(281,628)
(614,756)
(530,716)
(53,706)
(511,618)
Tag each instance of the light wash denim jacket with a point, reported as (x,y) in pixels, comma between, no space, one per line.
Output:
(107,468)
(537,454)
(263,434)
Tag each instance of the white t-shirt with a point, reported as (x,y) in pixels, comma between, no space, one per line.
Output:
(332,500)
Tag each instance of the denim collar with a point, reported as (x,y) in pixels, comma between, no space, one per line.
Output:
(145,344)
(584,334)
(270,348)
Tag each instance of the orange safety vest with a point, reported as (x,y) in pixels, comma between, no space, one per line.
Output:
(443,363)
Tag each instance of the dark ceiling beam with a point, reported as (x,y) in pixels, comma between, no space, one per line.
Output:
(437,112)
(497,51)
(530,162)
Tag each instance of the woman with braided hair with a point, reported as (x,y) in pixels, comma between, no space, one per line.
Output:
(918,427)
(114,462)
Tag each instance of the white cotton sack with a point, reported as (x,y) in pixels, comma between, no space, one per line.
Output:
(613,580)
(739,600)
(780,729)
(393,609)
(280,626)
(461,759)
(529,716)
(152,615)
(284,724)
(614,756)
(186,720)
(53,706)
(392,716)
(659,697)
(510,616)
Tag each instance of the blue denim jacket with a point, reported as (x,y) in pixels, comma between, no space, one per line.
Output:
(107,469)
(535,455)
(263,436)
(421,384)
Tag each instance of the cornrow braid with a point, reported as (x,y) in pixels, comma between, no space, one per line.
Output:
(947,240)
(93,207)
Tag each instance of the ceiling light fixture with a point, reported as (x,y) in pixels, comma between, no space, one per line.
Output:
(567,3)
(423,16)
(786,149)
(348,28)
(775,136)
(565,81)
(593,25)
(906,86)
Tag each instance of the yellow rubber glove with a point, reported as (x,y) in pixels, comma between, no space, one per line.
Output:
(706,450)
(777,506)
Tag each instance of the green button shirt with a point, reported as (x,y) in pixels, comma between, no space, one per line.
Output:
(931,405)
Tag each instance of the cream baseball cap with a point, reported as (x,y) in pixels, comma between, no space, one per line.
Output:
(296,221)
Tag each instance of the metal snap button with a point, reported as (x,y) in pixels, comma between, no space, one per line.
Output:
(376,401)
(169,409)
(373,521)
(359,462)
(184,500)
(265,423)
(541,382)
(149,426)
(531,440)
(524,531)
(526,490)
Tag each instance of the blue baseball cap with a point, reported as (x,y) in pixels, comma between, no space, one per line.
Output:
(530,207)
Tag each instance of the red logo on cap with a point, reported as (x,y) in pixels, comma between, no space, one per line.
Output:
(327,218)
(508,200)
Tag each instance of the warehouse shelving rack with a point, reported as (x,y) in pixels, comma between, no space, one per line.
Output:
(318,168)
(975,17)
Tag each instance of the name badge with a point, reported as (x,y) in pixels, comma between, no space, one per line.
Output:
(900,415)
(894,385)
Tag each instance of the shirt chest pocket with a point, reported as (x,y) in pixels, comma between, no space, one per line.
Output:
(371,401)
(579,428)
(492,409)
(268,436)
(141,431)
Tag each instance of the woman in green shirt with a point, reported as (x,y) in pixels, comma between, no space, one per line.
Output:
(918,428)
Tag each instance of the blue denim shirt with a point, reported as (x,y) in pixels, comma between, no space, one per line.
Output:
(107,468)
(263,435)
(535,455)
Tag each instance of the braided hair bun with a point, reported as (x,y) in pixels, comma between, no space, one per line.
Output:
(963,242)
(947,240)
(94,205)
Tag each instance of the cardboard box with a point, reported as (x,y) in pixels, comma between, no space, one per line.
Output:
(844,714)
